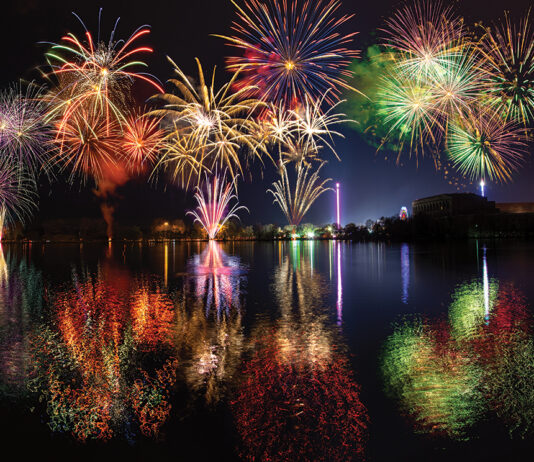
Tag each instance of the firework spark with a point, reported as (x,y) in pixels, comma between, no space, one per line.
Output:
(291,49)
(301,133)
(295,204)
(213,207)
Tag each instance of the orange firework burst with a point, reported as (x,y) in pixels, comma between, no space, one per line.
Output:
(87,144)
(142,141)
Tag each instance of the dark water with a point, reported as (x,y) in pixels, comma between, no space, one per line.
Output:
(268,351)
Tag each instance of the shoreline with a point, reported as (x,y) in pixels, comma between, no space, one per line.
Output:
(441,239)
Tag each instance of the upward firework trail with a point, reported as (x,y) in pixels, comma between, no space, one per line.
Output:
(295,204)
(292,49)
(213,206)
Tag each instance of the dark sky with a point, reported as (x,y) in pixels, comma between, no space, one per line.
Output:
(371,185)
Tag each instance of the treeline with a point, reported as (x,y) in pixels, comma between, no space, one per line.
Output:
(385,229)
(72,230)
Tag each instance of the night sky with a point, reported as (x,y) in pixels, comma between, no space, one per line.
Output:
(373,185)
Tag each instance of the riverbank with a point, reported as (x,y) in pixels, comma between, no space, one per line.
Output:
(418,228)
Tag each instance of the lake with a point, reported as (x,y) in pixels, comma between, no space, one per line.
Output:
(301,350)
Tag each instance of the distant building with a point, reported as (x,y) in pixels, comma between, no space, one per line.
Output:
(516,207)
(453,204)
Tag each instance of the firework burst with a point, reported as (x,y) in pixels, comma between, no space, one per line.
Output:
(296,203)
(142,142)
(292,49)
(18,193)
(485,147)
(301,133)
(408,108)
(457,84)
(274,126)
(86,144)
(96,75)
(23,132)
(425,34)
(312,128)
(213,209)
(206,128)
(508,50)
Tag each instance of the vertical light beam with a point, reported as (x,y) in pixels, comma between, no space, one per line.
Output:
(485,280)
(482,184)
(337,206)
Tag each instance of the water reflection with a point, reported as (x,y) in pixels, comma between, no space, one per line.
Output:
(3,266)
(486,285)
(178,338)
(339,300)
(448,376)
(405,271)
(303,327)
(294,407)
(103,364)
(217,279)
(21,302)
(210,327)
(297,399)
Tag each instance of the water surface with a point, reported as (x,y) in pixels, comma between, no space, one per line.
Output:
(268,351)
